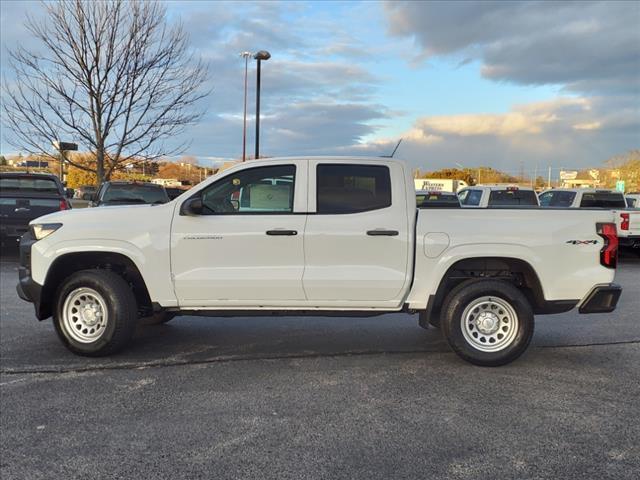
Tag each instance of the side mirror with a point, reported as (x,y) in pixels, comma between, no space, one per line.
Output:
(192,207)
(69,192)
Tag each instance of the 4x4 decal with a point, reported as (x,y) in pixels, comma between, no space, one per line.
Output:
(582,242)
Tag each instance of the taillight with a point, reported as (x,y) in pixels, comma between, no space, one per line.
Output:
(609,252)
(64,205)
(624,225)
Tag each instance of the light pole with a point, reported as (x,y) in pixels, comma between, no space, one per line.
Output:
(260,56)
(246,56)
(63,147)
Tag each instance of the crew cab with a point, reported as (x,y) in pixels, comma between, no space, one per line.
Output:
(627,219)
(484,196)
(25,196)
(317,236)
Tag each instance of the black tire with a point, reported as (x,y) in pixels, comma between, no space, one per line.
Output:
(121,309)
(455,318)
(157,318)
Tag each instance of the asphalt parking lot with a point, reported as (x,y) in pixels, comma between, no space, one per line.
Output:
(320,398)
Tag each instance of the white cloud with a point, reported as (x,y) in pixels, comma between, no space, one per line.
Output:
(587,126)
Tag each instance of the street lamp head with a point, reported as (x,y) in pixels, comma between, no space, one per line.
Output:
(245,54)
(262,55)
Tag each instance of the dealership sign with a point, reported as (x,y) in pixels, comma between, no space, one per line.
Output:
(568,174)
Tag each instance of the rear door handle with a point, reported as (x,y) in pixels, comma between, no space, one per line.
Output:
(22,209)
(280,232)
(380,232)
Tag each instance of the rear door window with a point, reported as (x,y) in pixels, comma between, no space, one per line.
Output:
(603,200)
(512,197)
(344,188)
(557,199)
(472,197)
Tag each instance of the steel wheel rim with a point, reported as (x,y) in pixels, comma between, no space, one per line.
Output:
(489,324)
(84,315)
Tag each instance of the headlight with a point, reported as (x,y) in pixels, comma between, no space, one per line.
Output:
(42,230)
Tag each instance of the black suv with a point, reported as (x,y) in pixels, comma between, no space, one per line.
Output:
(129,193)
(25,197)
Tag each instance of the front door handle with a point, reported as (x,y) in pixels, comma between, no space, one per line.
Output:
(380,232)
(280,232)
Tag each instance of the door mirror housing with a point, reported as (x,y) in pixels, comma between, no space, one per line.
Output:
(192,207)
(69,192)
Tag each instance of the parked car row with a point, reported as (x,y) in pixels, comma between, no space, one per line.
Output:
(625,210)
(26,196)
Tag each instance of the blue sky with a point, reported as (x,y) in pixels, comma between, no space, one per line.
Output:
(476,83)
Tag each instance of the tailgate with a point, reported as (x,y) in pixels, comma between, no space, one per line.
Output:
(21,210)
(633,224)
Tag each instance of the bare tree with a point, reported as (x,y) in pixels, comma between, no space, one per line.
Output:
(112,75)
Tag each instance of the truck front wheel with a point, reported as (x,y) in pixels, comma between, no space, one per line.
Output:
(487,322)
(96,312)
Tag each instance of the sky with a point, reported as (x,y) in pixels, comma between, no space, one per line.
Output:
(520,86)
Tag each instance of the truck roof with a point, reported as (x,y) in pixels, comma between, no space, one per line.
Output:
(583,190)
(28,174)
(345,159)
(501,187)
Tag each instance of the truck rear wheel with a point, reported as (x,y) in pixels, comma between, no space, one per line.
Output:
(487,322)
(95,313)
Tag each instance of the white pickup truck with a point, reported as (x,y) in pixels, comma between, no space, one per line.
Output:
(627,219)
(317,236)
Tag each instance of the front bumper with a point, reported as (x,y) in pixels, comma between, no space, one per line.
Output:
(601,299)
(27,288)
(11,230)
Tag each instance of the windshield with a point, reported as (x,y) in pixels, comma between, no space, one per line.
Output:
(134,194)
(31,184)
(513,197)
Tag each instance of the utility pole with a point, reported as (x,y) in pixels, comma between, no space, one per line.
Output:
(260,56)
(549,179)
(246,56)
